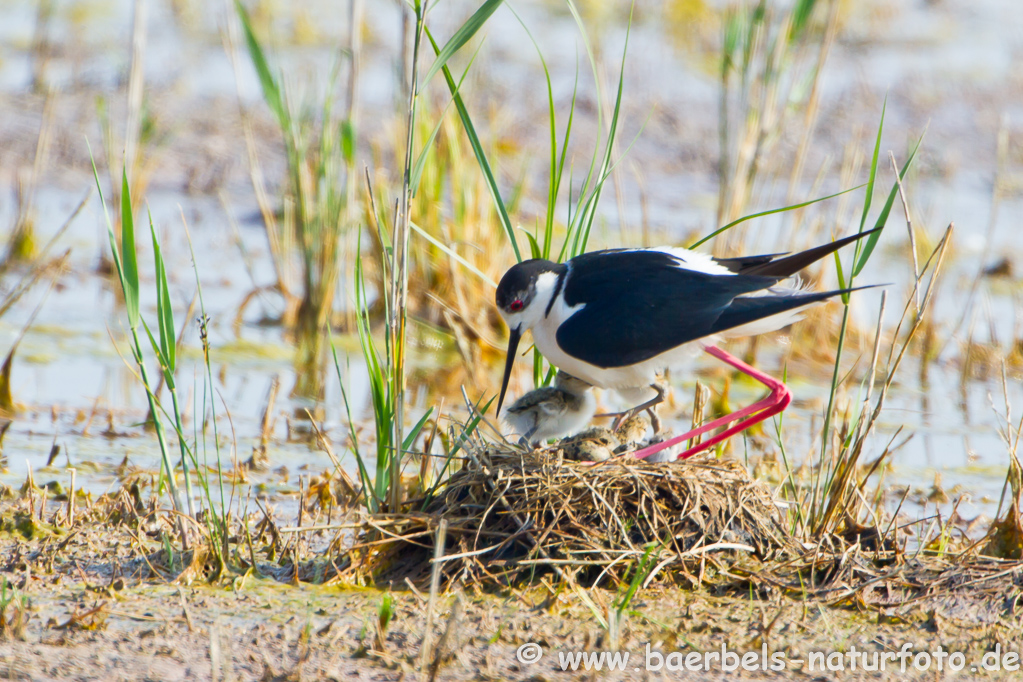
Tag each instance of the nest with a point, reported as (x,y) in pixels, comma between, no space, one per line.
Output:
(512,515)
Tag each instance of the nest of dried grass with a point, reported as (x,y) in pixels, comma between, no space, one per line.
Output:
(512,515)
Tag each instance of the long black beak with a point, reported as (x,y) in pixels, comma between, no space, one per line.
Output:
(514,334)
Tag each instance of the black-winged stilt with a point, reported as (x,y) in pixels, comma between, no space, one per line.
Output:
(552,411)
(615,318)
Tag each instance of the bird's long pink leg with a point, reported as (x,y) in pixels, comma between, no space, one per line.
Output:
(774,403)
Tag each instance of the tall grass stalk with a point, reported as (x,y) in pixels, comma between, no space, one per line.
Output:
(387,370)
(382,490)
(218,522)
(462,36)
(582,200)
(861,255)
(126,264)
(166,352)
(832,500)
(164,347)
(399,266)
(763,66)
(317,210)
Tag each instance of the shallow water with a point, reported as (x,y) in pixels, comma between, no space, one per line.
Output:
(945,63)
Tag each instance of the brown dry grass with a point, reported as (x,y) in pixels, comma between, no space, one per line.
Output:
(520,514)
(512,518)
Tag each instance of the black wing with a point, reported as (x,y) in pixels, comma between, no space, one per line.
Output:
(640,304)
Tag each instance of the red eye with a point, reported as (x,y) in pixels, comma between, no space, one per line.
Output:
(516,305)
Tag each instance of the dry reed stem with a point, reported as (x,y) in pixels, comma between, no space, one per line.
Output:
(438,556)
(839,487)
(909,228)
(700,399)
(812,108)
(136,84)
(998,191)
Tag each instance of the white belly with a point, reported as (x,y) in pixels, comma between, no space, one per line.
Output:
(641,374)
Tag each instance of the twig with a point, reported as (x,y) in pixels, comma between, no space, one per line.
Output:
(71,500)
(909,227)
(431,605)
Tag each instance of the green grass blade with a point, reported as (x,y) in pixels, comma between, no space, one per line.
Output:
(640,571)
(534,246)
(347,135)
(561,162)
(367,486)
(417,170)
(159,354)
(164,312)
(460,38)
(129,260)
(590,207)
(271,89)
(451,252)
(552,190)
(114,252)
(410,438)
(586,43)
(801,14)
(380,395)
(873,168)
(477,150)
(840,271)
(586,225)
(554,177)
(730,42)
(585,187)
(882,218)
(772,211)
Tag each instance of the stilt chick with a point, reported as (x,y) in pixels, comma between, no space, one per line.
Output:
(552,411)
(600,443)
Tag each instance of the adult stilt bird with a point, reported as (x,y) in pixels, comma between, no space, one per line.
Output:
(616,318)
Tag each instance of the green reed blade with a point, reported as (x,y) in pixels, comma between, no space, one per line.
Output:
(417,170)
(477,150)
(271,89)
(130,278)
(114,251)
(164,312)
(873,168)
(882,218)
(460,38)
(410,438)
(534,246)
(772,211)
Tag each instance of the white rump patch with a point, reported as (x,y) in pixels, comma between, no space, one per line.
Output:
(692,260)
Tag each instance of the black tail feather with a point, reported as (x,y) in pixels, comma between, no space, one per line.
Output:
(746,309)
(769,266)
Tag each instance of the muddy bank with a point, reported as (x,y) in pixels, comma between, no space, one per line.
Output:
(103,599)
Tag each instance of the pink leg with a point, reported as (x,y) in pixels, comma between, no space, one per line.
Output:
(774,403)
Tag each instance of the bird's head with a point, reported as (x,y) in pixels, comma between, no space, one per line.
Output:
(522,297)
(571,384)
